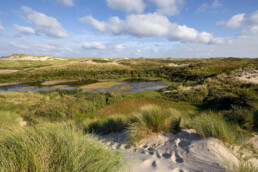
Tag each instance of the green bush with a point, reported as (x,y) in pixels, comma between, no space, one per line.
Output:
(54,148)
(110,125)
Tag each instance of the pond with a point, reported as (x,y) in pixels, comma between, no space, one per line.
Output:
(127,85)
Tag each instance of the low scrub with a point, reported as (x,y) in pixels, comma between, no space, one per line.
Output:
(109,125)
(152,119)
(213,125)
(54,148)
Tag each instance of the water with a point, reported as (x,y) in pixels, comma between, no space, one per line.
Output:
(134,85)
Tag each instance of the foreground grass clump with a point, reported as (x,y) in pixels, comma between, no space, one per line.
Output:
(54,148)
(152,119)
(213,125)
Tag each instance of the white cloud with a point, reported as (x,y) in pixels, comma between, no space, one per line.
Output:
(202,8)
(89,19)
(254,17)
(147,25)
(216,4)
(119,47)
(94,45)
(1,26)
(17,45)
(127,5)
(25,30)
(235,21)
(151,25)
(159,44)
(168,7)
(66,2)
(139,51)
(45,24)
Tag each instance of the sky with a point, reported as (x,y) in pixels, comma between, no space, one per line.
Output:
(130,28)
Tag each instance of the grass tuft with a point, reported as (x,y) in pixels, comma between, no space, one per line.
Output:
(153,119)
(54,147)
(213,125)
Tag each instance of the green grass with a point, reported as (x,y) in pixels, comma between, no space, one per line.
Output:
(152,119)
(54,147)
(213,125)
(8,118)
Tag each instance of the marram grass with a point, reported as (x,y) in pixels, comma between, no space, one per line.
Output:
(54,148)
(153,119)
(213,125)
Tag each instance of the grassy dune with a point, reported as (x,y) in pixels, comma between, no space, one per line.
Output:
(54,148)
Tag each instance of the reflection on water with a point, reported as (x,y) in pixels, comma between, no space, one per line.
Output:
(134,85)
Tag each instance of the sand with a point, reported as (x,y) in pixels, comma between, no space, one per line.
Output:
(248,76)
(55,82)
(30,57)
(185,151)
(5,71)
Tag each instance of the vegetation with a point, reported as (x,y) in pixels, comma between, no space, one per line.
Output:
(54,148)
(153,119)
(213,125)
(204,94)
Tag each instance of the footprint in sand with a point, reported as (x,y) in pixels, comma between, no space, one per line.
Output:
(176,158)
(149,162)
(166,155)
(178,170)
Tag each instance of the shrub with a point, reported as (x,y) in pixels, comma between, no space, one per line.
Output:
(255,120)
(54,148)
(153,119)
(109,125)
(213,125)
(237,116)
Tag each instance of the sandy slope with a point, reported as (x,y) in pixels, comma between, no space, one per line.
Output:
(185,151)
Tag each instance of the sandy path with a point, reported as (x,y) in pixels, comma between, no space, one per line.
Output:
(185,151)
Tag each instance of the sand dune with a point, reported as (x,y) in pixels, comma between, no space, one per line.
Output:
(185,151)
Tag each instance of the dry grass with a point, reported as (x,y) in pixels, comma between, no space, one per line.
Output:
(126,107)
(102,85)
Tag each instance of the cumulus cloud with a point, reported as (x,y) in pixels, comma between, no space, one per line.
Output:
(168,7)
(66,2)
(151,25)
(119,47)
(97,24)
(248,23)
(94,45)
(1,26)
(216,4)
(25,30)
(127,5)
(45,24)
(202,8)
(235,21)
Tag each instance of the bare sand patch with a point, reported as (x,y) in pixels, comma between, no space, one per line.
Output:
(177,65)
(184,151)
(4,71)
(248,76)
(55,82)
(24,88)
(102,85)
(30,57)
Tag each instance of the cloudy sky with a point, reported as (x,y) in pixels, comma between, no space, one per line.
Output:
(130,28)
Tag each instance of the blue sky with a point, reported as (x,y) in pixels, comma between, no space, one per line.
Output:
(130,28)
